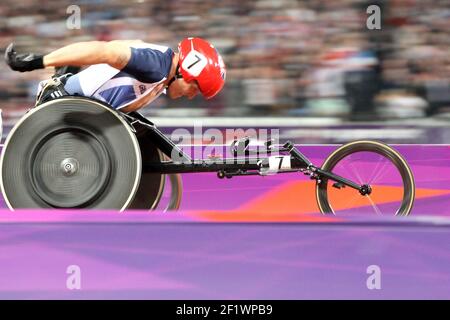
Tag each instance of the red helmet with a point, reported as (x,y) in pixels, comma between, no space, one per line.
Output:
(200,61)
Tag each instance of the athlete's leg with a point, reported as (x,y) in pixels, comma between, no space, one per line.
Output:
(73,86)
(57,87)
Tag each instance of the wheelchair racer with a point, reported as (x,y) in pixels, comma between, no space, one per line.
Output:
(127,74)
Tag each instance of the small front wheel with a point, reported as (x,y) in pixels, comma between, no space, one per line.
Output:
(373,165)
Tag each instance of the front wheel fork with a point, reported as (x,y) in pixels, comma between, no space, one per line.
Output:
(341,182)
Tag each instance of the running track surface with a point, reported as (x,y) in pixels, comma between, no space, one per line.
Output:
(227,242)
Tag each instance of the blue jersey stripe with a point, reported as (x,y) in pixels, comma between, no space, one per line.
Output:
(118,96)
(149,65)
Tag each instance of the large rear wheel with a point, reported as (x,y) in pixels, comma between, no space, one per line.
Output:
(71,153)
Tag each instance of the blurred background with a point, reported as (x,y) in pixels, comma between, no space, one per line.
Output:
(303,65)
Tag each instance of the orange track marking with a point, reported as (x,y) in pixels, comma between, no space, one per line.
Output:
(299,197)
(294,201)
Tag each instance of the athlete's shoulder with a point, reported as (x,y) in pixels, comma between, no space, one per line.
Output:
(149,62)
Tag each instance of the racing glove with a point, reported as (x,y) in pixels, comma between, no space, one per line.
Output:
(24,61)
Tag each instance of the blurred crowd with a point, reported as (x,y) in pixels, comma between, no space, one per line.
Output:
(284,57)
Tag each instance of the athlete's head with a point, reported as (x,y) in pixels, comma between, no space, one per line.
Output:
(200,69)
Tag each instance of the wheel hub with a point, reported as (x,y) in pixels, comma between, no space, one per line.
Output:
(69,166)
(365,190)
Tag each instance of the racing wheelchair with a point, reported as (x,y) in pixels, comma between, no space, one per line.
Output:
(76,152)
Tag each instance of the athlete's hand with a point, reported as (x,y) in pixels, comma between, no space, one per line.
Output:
(24,61)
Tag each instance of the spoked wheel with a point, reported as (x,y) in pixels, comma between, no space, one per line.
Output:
(71,153)
(389,180)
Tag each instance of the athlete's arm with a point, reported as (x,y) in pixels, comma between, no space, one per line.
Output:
(115,53)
